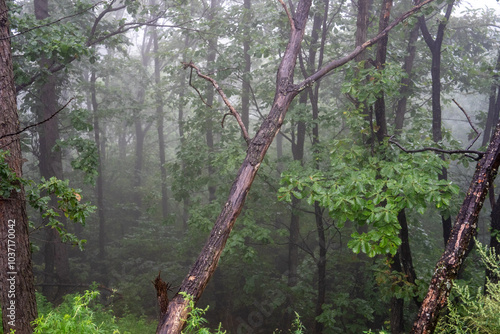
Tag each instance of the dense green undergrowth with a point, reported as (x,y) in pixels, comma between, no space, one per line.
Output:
(82,314)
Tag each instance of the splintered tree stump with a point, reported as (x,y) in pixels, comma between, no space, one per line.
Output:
(162,288)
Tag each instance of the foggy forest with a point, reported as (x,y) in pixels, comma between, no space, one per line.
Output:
(249,166)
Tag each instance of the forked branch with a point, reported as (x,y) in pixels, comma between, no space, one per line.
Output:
(219,90)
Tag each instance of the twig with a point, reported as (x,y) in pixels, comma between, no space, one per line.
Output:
(36,124)
(435,149)
(222,95)
(470,122)
(292,25)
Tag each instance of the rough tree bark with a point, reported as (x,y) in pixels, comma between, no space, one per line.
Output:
(17,291)
(197,279)
(464,229)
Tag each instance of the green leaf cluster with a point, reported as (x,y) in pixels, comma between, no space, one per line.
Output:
(371,190)
(68,201)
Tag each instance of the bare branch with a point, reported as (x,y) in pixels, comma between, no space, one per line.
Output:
(223,96)
(196,89)
(439,150)
(36,124)
(292,25)
(468,118)
(470,122)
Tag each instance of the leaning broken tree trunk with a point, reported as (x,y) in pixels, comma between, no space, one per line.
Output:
(195,282)
(464,229)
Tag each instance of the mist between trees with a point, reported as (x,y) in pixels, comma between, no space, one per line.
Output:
(306,166)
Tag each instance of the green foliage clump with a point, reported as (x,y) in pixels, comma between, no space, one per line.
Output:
(74,315)
(474,313)
(69,202)
(81,314)
(370,189)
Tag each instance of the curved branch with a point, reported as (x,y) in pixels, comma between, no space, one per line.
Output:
(224,98)
(439,150)
(39,123)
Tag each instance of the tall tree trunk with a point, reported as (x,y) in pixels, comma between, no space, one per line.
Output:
(464,229)
(99,190)
(50,164)
(159,124)
(437,135)
(380,117)
(406,82)
(245,89)
(17,291)
(298,141)
(209,135)
(140,128)
(180,122)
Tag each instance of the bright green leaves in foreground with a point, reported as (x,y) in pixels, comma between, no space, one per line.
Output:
(372,190)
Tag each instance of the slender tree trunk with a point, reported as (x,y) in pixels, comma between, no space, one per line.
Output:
(99,191)
(180,115)
(141,129)
(17,291)
(435,48)
(464,229)
(406,83)
(380,117)
(245,91)
(209,135)
(294,236)
(159,124)
(396,304)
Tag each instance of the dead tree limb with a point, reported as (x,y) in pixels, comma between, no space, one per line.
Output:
(439,150)
(464,229)
(223,96)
